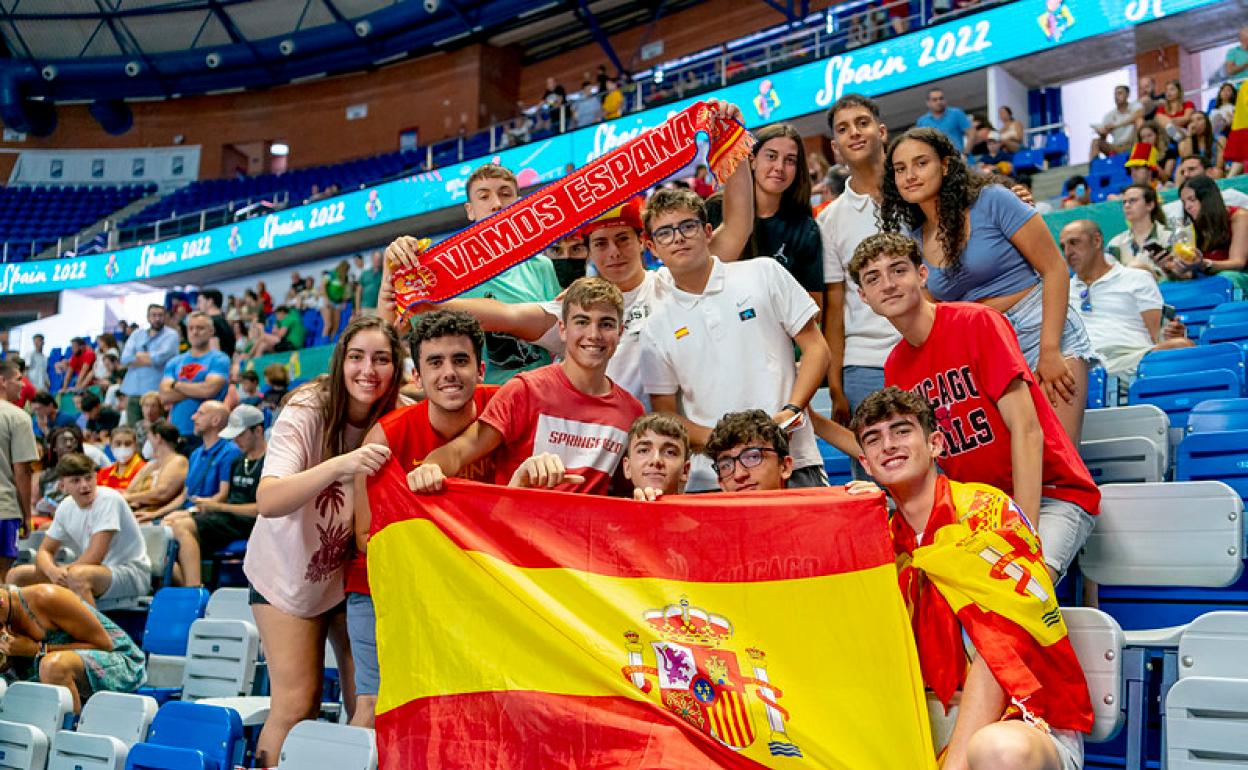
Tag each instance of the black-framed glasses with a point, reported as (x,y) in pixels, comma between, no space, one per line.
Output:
(687,229)
(1085,300)
(749,458)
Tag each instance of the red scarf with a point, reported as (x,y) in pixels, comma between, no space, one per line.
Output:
(507,238)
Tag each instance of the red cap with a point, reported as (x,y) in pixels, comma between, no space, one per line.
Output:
(627,214)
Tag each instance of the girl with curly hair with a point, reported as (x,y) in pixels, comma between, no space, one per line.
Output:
(303,534)
(982,244)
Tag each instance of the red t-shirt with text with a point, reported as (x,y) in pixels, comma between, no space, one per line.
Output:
(411,439)
(542,411)
(965,366)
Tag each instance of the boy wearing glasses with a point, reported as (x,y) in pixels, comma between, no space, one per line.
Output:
(749,452)
(721,335)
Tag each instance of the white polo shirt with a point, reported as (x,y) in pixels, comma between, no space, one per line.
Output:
(729,349)
(1116,301)
(845,223)
(624,368)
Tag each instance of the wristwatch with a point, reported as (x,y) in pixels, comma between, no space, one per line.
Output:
(794,408)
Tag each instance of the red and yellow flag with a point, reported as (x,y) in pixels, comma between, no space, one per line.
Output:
(542,630)
(983,572)
(1237,140)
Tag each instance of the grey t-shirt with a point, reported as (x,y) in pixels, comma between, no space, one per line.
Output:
(17,445)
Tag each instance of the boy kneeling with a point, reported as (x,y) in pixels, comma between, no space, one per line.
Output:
(985,617)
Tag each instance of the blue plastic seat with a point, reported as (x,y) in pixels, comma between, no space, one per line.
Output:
(1182,291)
(1234,333)
(1229,313)
(1096,387)
(186,736)
(1178,394)
(1181,361)
(170,617)
(1219,414)
(835,463)
(1215,456)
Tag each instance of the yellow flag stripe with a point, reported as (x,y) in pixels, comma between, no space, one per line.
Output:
(837,648)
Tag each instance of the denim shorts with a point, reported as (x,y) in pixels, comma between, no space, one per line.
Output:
(8,537)
(1026,317)
(362,629)
(860,382)
(1063,529)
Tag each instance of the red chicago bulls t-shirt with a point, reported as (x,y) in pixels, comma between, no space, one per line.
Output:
(967,363)
(411,439)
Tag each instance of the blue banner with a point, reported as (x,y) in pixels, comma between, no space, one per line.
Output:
(996,35)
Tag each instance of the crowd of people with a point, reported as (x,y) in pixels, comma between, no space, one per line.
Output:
(925,292)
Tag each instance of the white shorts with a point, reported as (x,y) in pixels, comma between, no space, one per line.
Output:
(1069,748)
(130,580)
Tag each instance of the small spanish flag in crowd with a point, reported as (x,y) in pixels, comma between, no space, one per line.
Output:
(539,630)
(1237,140)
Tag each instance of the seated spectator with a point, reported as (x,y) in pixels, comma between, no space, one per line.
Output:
(100,527)
(52,637)
(996,158)
(1116,130)
(749,452)
(78,367)
(1223,112)
(1143,164)
(657,458)
(1175,111)
(287,335)
(106,347)
(612,101)
(1191,167)
(1167,155)
(1077,192)
(1012,133)
(47,414)
(1202,142)
(94,418)
(701,183)
(900,448)
(208,470)
(212,524)
(1120,307)
(278,381)
(152,409)
(159,483)
(249,388)
(64,441)
(124,444)
(1147,234)
(1221,236)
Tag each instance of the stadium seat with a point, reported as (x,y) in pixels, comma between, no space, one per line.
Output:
(1186,360)
(1177,394)
(221,667)
(1098,642)
(190,735)
(1207,708)
(1218,414)
(1195,300)
(1140,421)
(162,554)
(111,723)
(1216,456)
(324,744)
(230,604)
(1227,332)
(1097,392)
(1229,313)
(165,635)
(835,463)
(31,715)
(1126,460)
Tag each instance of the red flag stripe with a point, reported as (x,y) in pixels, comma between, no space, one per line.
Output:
(769,536)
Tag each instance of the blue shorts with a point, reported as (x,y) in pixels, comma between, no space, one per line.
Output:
(362,629)
(1026,317)
(8,537)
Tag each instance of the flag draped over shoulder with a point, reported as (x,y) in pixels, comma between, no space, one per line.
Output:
(1237,139)
(983,571)
(507,238)
(541,630)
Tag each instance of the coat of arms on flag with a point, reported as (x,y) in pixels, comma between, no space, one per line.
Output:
(700,677)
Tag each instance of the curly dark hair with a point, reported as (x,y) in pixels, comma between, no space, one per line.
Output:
(446,323)
(892,402)
(958,191)
(743,427)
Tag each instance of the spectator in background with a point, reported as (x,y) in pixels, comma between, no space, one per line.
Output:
(1150,133)
(1202,142)
(212,524)
(100,527)
(1120,307)
(1147,233)
(369,285)
(750,452)
(1223,111)
(1191,168)
(1011,131)
(145,355)
(17,452)
(20,389)
(47,414)
(249,388)
(266,300)
(1116,132)
(78,367)
(588,107)
(612,101)
(336,289)
(1078,193)
(277,380)
(208,471)
(209,302)
(977,142)
(1237,56)
(784,228)
(123,442)
(193,377)
(94,418)
(569,258)
(701,183)
(161,480)
(1175,111)
(86,652)
(151,409)
(37,364)
(994,159)
(1148,99)
(950,121)
(287,335)
(1221,235)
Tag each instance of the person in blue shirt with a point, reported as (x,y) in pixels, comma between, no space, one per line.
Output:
(193,377)
(208,473)
(950,121)
(46,414)
(145,355)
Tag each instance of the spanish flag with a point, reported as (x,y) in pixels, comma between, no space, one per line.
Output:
(982,571)
(541,630)
(1237,140)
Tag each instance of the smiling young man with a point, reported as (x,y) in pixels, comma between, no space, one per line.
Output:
(571,410)
(749,452)
(721,338)
(901,448)
(998,426)
(657,458)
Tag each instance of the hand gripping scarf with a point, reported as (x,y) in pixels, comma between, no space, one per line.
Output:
(508,237)
(981,569)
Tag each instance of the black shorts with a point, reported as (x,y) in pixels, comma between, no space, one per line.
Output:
(254,597)
(284,346)
(217,529)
